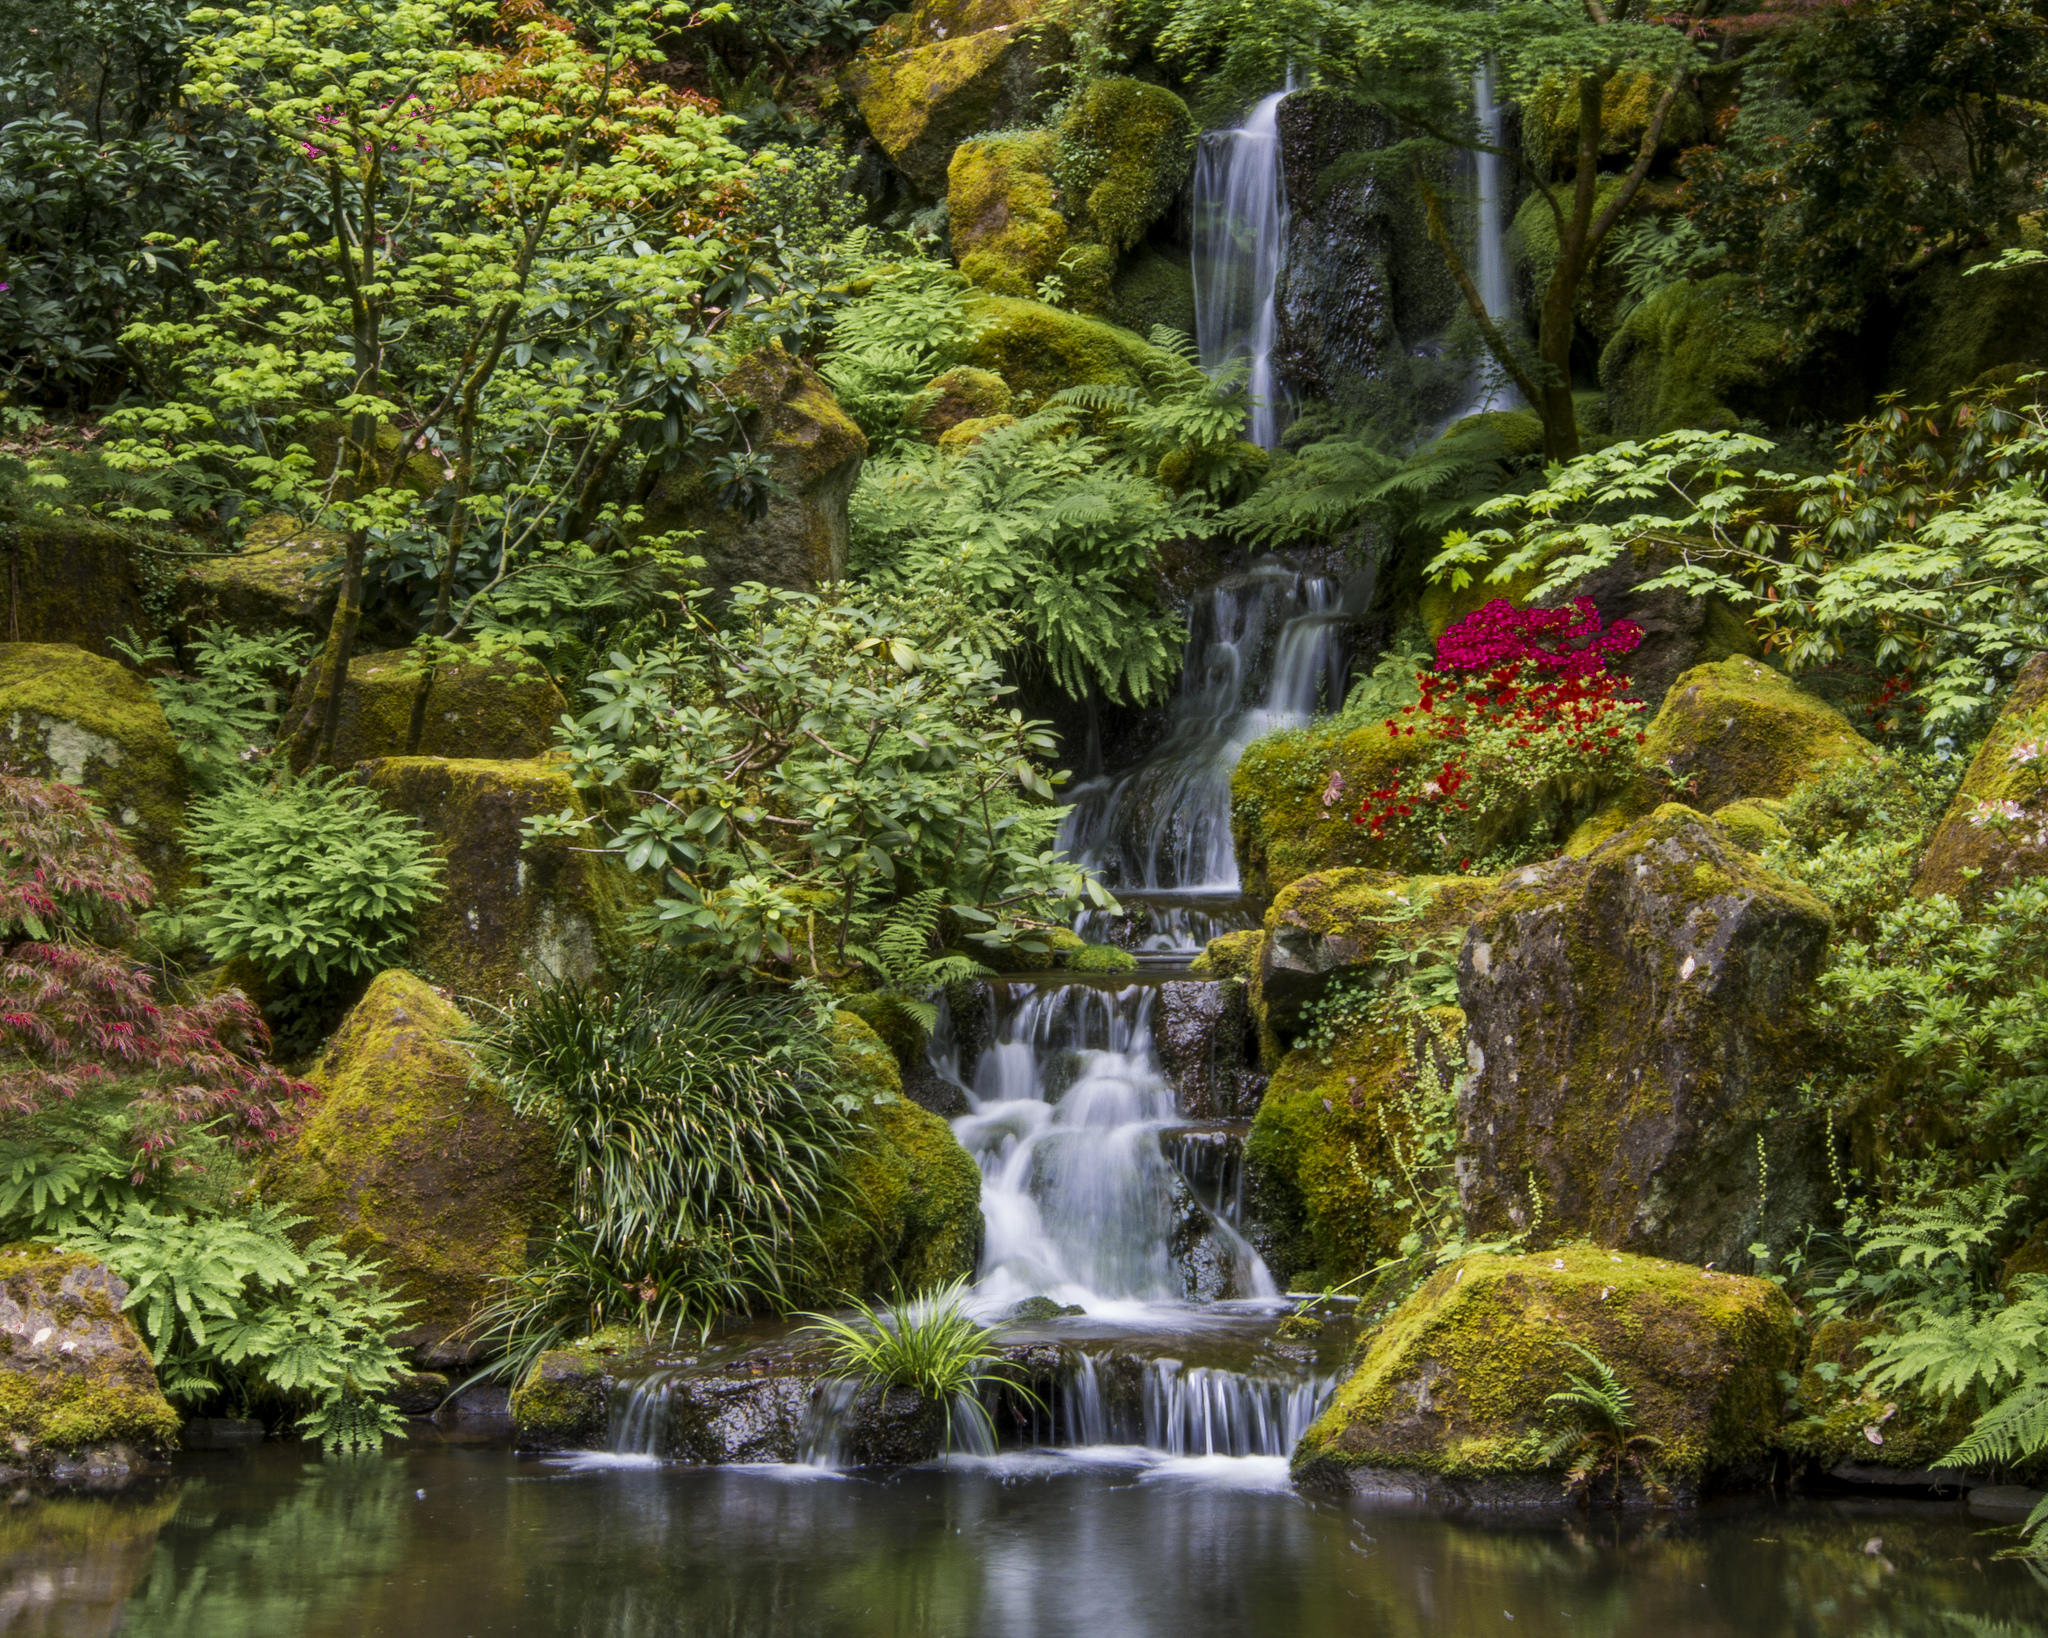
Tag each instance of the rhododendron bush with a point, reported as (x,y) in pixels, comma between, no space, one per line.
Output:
(1532,727)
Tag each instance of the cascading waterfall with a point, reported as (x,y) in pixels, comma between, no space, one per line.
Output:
(1491,389)
(1240,235)
(1184,1410)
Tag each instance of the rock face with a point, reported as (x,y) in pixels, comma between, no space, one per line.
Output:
(1693,355)
(1738,730)
(412,1156)
(911,1204)
(71,581)
(509,914)
(1208,1046)
(1998,823)
(1631,1014)
(78,1393)
(815,452)
(496,710)
(1447,1405)
(91,722)
(285,579)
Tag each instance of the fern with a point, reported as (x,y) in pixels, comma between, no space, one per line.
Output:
(900,952)
(225,711)
(908,324)
(1600,1439)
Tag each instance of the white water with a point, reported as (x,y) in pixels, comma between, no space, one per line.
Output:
(1491,388)
(1187,1410)
(1240,236)
(1265,651)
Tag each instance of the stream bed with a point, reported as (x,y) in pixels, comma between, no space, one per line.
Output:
(452,1540)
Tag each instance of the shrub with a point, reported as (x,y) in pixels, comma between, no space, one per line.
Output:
(309,878)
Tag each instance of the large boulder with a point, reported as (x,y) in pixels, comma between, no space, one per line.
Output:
(1039,349)
(1448,1403)
(498,709)
(1003,210)
(91,722)
(416,1158)
(71,580)
(922,102)
(1696,354)
(1126,150)
(78,1391)
(1632,1015)
(1293,794)
(908,1205)
(814,452)
(1737,730)
(511,913)
(285,578)
(1997,825)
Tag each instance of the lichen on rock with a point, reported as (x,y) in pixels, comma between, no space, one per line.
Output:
(414,1157)
(1447,1404)
(78,1391)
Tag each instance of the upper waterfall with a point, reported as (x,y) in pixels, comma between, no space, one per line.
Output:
(1491,389)
(1240,237)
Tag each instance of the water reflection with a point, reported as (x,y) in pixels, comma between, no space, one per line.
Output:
(451,1541)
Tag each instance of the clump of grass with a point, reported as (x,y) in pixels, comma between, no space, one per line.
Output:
(929,1344)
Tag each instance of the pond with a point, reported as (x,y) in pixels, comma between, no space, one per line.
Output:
(465,1541)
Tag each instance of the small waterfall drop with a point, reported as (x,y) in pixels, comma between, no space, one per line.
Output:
(1240,236)
(1491,389)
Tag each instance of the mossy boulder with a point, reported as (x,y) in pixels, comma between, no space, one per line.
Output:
(814,452)
(91,722)
(1230,955)
(564,1401)
(78,1391)
(285,578)
(1329,928)
(910,1195)
(956,396)
(1696,354)
(1954,326)
(71,580)
(1154,287)
(921,103)
(1039,349)
(1737,730)
(1448,1402)
(1632,1016)
(510,914)
(1293,794)
(1325,1176)
(1753,826)
(931,20)
(1003,210)
(1995,832)
(497,709)
(1534,251)
(415,1157)
(1848,1424)
(1125,151)
(957,440)
(1628,101)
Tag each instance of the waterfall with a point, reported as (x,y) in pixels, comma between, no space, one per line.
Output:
(1491,388)
(1240,235)
(1265,652)
(1187,1410)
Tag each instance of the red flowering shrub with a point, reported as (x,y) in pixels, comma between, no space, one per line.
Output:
(1533,727)
(75,1013)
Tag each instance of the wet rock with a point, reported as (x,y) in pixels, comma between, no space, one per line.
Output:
(894,1427)
(413,1157)
(564,1400)
(511,913)
(1447,1405)
(1208,1047)
(1997,825)
(91,722)
(78,1394)
(1036,1309)
(1631,1016)
(495,709)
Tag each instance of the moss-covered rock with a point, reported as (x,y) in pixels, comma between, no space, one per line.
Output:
(1293,794)
(956,396)
(1039,349)
(1533,254)
(1003,210)
(959,439)
(1753,826)
(1632,1015)
(498,709)
(1152,288)
(1846,1423)
(1995,832)
(1628,101)
(921,103)
(285,578)
(1448,1401)
(1101,959)
(814,452)
(1325,1175)
(1125,150)
(1954,326)
(1696,354)
(415,1157)
(78,1392)
(1230,955)
(1736,730)
(71,580)
(91,722)
(1329,929)
(510,914)
(910,1195)
(564,1401)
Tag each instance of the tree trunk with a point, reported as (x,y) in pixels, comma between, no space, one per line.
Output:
(313,740)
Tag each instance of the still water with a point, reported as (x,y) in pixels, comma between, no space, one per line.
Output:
(450,1541)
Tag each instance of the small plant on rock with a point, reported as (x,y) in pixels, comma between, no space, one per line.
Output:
(1599,1443)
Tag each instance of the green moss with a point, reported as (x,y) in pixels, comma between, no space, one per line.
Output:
(1003,208)
(1754,825)
(1845,1423)
(1100,958)
(1969,860)
(922,103)
(563,1403)
(71,580)
(73,1372)
(1533,252)
(1040,349)
(1454,1382)
(959,395)
(73,716)
(510,913)
(1550,120)
(1954,328)
(1154,288)
(498,709)
(1736,729)
(1125,149)
(414,1157)
(968,433)
(284,579)
(1230,955)
(1696,354)
(909,1206)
